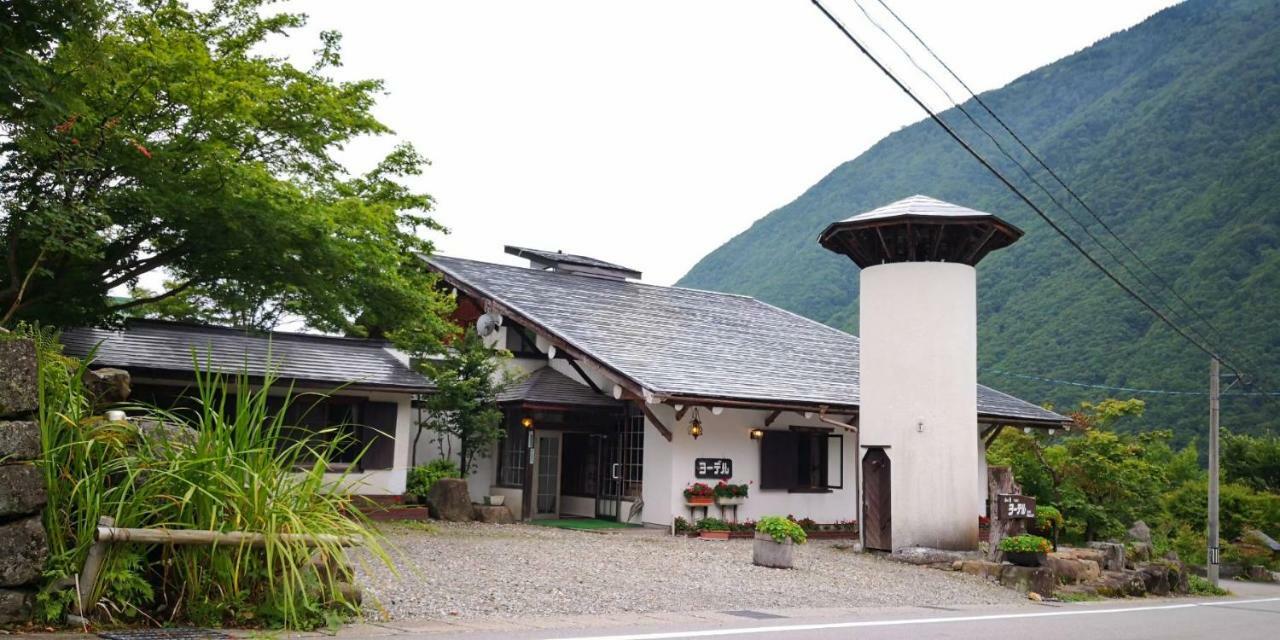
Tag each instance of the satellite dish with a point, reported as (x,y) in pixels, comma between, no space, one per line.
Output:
(488,323)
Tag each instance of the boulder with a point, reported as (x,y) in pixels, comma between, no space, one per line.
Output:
(15,606)
(982,569)
(450,500)
(19,440)
(1140,552)
(1112,555)
(1077,553)
(930,556)
(1140,532)
(494,515)
(106,385)
(1155,579)
(25,551)
(1028,579)
(1178,580)
(22,490)
(17,377)
(1258,573)
(1071,570)
(166,434)
(1116,584)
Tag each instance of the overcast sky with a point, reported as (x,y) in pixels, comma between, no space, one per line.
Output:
(649,132)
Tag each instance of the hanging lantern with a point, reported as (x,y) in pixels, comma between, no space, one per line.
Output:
(695,425)
(526,422)
(757,434)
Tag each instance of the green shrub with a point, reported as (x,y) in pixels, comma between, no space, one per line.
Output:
(726,490)
(1202,587)
(713,524)
(781,529)
(1049,518)
(423,476)
(240,472)
(1025,544)
(682,526)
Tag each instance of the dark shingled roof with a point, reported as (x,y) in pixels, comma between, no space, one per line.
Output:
(685,342)
(548,386)
(154,346)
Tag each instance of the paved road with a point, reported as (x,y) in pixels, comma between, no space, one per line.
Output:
(1255,613)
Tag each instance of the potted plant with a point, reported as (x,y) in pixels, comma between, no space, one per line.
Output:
(1025,550)
(730,494)
(713,529)
(775,542)
(699,493)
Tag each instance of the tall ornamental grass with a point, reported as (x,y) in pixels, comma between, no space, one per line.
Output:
(237,471)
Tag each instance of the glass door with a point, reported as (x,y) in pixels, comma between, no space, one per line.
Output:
(547,476)
(609,493)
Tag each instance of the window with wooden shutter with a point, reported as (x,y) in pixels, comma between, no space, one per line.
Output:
(379,435)
(778,460)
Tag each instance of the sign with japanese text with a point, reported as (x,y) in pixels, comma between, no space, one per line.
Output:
(713,468)
(1015,507)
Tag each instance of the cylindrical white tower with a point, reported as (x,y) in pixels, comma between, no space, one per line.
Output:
(918,415)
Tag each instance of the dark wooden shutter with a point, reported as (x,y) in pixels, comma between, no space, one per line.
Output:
(778,459)
(379,435)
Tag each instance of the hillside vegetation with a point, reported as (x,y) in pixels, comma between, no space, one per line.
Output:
(1171,131)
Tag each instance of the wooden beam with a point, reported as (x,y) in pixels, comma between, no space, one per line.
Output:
(681,411)
(657,424)
(994,434)
(986,237)
(573,362)
(107,533)
(772,416)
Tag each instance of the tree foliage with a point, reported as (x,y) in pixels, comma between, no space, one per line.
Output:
(1103,480)
(154,138)
(463,411)
(1171,131)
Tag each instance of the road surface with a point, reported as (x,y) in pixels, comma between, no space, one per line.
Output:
(1254,613)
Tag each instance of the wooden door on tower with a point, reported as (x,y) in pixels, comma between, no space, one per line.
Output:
(877,501)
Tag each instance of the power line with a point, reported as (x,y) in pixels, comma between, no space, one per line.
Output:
(1104,387)
(1057,178)
(995,172)
(1025,172)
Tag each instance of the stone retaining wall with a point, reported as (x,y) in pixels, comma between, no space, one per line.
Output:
(23,546)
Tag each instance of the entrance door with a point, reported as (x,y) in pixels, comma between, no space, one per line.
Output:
(547,476)
(609,492)
(877,505)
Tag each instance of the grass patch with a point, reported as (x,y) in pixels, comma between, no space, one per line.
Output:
(1202,587)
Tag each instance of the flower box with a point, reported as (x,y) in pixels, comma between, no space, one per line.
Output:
(698,501)
(766,552)
(729,502)
(714,535)
(1025,558)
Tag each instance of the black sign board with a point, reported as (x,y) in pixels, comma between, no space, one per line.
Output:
(1011,506)
(713,468)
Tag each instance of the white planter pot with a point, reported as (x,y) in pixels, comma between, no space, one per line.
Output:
(767,553)
(730,502)
(495,501)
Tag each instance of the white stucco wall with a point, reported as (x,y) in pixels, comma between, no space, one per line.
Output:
(727,436)
(918,378)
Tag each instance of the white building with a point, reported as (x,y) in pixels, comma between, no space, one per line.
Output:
(619,371)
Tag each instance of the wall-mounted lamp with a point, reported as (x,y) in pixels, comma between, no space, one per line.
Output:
(695,425)
(526,422)
(757,434)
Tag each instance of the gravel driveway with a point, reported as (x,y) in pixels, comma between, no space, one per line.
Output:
(472,570)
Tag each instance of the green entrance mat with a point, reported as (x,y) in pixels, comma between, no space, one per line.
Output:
(582,523)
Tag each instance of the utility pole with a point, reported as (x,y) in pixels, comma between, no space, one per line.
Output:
(1211,567)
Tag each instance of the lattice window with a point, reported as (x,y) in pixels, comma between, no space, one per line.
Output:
(633,457)
(512,455)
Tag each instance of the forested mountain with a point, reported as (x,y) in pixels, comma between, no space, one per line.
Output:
(1171,131)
